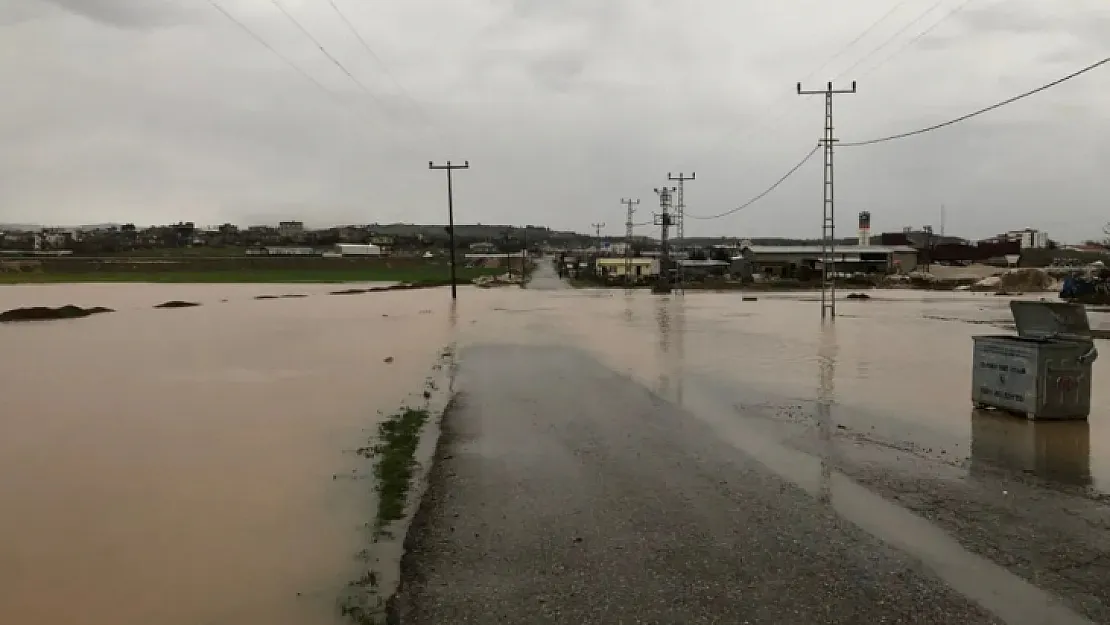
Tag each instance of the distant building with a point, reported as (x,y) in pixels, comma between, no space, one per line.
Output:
(618,248)
(703,268)
(275,250)
(291,229)
(795,261)
(385,242)
(641,267)
(354,249)
(483,247)
(1028,238)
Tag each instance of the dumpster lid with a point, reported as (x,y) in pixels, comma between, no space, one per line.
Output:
(1051,319)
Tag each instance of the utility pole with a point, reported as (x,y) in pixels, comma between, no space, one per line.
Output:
(828,221)
(630,204)
(523,254)
(597,231)
(664,220)
(929,247)
(451,216)
(507,236)
(680,219)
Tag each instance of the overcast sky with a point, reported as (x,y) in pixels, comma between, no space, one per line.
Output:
(161,110)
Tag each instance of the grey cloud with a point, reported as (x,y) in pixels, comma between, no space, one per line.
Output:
(1086,22)
(127,13)
(561,107)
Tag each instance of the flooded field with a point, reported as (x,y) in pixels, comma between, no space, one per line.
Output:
(176,466)
(192,466)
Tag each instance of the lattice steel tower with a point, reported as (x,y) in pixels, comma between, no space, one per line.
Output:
(828,221)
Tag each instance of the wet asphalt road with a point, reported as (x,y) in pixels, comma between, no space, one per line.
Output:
(564,492)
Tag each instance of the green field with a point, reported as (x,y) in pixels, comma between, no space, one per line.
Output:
(430,273)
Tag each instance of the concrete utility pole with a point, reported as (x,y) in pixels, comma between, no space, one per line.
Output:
(828,221)
(631,205)
(451,216)
(664,219)
(597,230)
(680,218)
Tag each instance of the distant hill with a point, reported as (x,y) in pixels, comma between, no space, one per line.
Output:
(20,227)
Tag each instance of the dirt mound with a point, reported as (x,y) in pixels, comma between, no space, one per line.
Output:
(177,304)
(1026,280)
(285,296)
(403,286)
(45,313)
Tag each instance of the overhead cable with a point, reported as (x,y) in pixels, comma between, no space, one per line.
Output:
(385,68)
(755,199)
(987,109)
(324,50)
(890,39)
(921,35)
(253,35)
(331,93)
(778,104)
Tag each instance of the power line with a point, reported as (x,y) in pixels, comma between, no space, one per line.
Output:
(264,44)
(858,38)
(963,5)
(331,93)
(755,199)
(987,109)
(888,40)
(777,104)
(786,111)
(385,68)
(324,50)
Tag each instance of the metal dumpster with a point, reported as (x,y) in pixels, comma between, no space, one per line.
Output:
(1042,373)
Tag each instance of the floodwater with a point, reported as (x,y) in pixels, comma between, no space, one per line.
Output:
(176,466)
(193,465)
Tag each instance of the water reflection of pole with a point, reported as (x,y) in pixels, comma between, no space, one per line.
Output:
(663,321)
(826,365)
(679,359)
(453,329)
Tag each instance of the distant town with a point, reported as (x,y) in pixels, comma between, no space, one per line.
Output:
(908,250)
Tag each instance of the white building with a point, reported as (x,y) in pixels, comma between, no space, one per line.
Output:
(352,249)
(1030,238)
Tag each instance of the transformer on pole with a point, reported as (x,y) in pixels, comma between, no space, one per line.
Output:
(664,219)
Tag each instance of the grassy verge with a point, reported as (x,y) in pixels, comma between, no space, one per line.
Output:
(395,463)
(394,454)
(394,451)
(322,275)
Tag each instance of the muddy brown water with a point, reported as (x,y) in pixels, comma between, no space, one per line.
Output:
(177,466)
